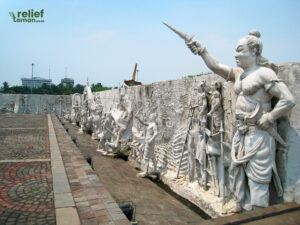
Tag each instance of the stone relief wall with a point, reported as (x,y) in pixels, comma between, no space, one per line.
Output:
(35,104)
(181,130)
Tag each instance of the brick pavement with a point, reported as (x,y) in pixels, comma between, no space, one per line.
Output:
(154,205)
(94,203)
(26,190)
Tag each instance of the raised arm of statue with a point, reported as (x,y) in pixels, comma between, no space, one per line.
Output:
(223,70)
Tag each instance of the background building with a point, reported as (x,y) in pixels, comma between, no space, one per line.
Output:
(35,82)
(66,81)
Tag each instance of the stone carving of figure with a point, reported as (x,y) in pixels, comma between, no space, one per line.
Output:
(11,106)
(200,154)
(76,113)
(104,135)
(25,103)
(123,121)
(138,142)
(151,134)
(213,142)
(112,145)
(45,110)
(192,144)
(216,111)
(84,123)
(202,103)
(253,144)
(196,138)
(97,120)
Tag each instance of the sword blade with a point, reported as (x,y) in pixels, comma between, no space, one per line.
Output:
(186,37)
(276,136)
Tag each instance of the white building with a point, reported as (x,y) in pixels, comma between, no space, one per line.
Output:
(35,82)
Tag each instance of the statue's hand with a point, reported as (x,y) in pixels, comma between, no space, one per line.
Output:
(195,47)
(265,121)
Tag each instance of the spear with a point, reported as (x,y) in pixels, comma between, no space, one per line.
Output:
(222,183)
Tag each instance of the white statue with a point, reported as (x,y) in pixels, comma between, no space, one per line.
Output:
(84,119)
(112,147)
(97,120)
(216,112)
(104,134)
(123,121)
(151,134)
(138,142)
(25,103)
(254,142)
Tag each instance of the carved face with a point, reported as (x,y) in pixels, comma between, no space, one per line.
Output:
(244,56)
(201,86)
(152,117)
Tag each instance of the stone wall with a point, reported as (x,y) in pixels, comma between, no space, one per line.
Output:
(35,104)
(171,102)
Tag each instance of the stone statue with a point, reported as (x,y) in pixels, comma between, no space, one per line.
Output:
(216,112)
(45,110)
(25,104)
(122,121)
(112,147)
(11,107)
(97,120)
(84,118)
(138,142)
(151,134)
(60,100)
(105,134)
(254,142)
(192,145)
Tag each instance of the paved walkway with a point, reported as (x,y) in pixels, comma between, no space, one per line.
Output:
(26,187)
(154,205)
(45,179)
(93,202)
(42,182)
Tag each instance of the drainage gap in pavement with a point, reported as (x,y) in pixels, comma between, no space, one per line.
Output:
(128,208)
(89,159)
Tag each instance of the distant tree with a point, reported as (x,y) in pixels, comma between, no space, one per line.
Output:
(78,89)
(67,92)
(5,87)
(102,89)
(94,87)
(50,89)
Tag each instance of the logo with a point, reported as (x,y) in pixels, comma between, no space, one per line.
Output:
(29,16)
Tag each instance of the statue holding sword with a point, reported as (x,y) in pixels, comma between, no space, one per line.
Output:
(254,142)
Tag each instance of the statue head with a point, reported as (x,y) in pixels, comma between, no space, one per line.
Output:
(249,50)
(152,117)
(201,86)
(216,94)
(216,85)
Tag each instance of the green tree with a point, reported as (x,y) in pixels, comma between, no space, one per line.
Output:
(5,87)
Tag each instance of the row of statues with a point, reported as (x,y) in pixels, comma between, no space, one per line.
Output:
(250,166)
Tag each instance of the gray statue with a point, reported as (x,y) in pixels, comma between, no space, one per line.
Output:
(151,134)
(254,142)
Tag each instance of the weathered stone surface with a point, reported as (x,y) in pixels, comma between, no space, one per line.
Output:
(35,104)
(171,101)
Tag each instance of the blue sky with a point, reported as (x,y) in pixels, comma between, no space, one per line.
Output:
(102,40)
